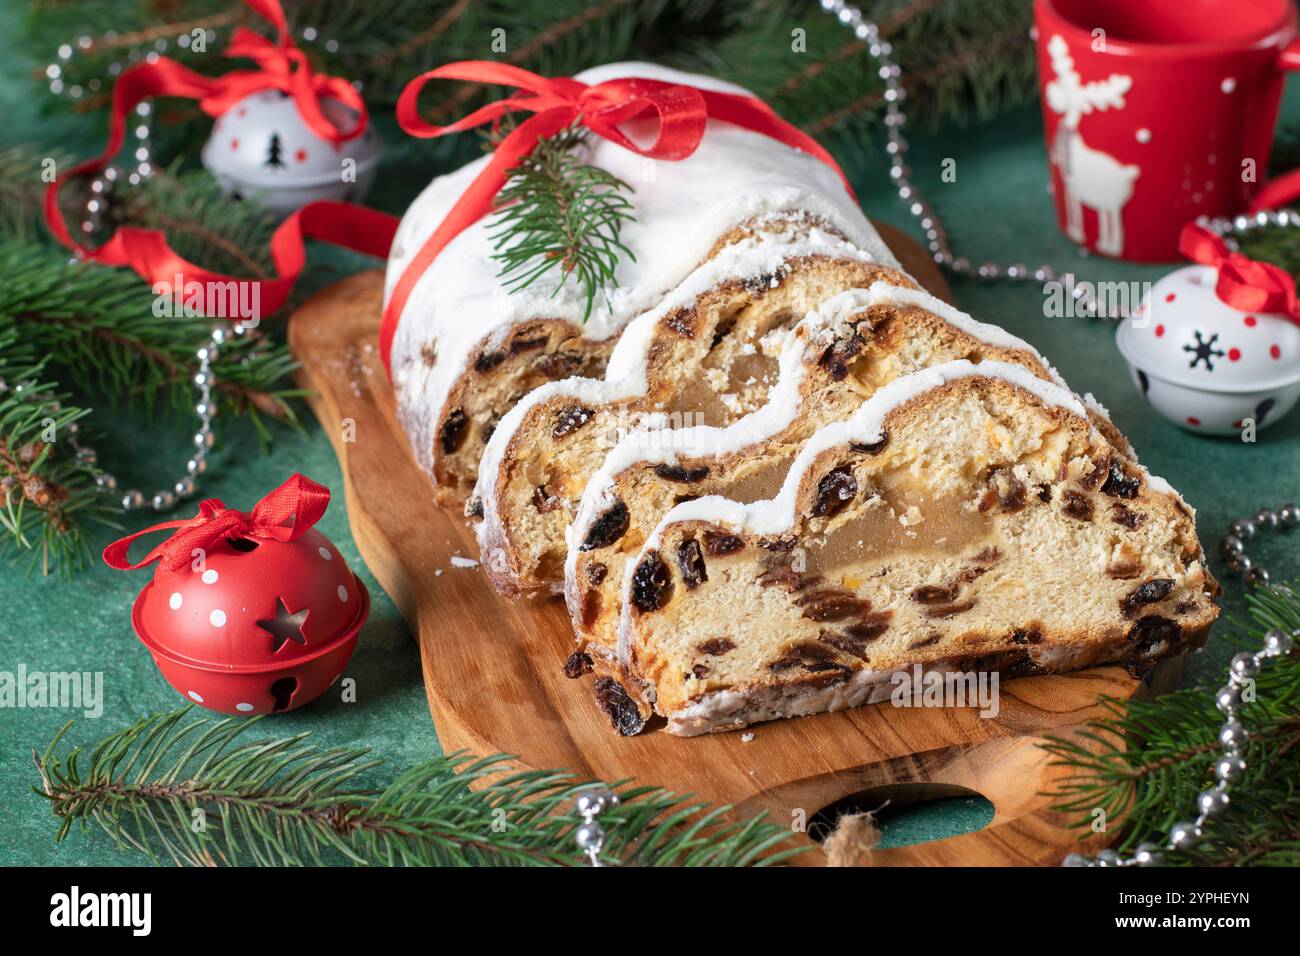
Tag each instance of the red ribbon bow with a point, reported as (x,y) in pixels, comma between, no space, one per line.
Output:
(284,67)
(283,515)
(147,251)
(556,102)
(1244,283)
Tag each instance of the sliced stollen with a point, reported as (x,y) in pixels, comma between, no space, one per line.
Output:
(466,349)
(834,360)
(966,518)
(707,353)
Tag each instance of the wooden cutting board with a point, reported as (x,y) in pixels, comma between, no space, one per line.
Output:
(492,668)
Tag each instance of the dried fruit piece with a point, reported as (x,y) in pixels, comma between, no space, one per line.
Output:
(488,361)
(871,447)
(691,562)
(569,419)
(1120,485)
(1027,635)
(543,500)
(454,430)
(652,584)
(948,610)
(834,492)
(1154,635)
(843,642)
(521,344)
(474,507)
(1077,505)
(1126,517)
(837,356)
(871,626)
(810,657)
(832,605)
(596,573)
(935,594)
(618,706)
(681,474)
(717,544)
(1148,592)
(1009,491)
(608,528)
(578,663)
(715,646)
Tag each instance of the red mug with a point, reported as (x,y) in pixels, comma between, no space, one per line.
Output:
(1160,111)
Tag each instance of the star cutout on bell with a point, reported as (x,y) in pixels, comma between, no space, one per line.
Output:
(284,626)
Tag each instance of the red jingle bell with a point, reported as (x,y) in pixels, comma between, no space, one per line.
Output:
(249,613)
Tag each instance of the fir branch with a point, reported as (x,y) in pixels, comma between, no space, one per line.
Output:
(1145,762)
(99,325)
(1279,245)
(283,801)
(47,492)
(558,213)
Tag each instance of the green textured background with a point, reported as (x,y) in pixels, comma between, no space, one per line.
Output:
(997,209)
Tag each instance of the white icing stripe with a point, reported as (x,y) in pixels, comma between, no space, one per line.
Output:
(682,208)
(625,378)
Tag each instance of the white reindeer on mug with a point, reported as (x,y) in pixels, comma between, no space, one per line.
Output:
(1092,178)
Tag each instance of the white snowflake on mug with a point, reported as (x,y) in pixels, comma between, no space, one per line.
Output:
(1092,178)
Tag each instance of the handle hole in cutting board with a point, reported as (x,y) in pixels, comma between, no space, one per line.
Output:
(909,813)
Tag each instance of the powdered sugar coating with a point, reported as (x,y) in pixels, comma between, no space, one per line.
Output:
(682,209)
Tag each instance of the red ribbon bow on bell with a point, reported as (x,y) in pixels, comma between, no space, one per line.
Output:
(1244,283)
(284,67)
(556,102)
(282,515)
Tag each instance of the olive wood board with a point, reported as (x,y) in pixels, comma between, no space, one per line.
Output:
(493,668)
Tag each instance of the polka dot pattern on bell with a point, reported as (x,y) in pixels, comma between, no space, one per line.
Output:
(209,576)
(217,618)
(175,601)
(194,696)
(243,707)
(343,593)
(325,553)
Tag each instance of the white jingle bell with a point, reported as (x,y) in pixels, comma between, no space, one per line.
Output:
(262,148)
(1206,366)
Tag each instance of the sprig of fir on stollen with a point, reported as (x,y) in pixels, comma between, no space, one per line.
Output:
(196,790)
(1146,761)
(557,213)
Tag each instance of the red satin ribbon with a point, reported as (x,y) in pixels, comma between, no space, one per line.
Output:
(283,515)
(556,102)
(146,251)
(1245,284)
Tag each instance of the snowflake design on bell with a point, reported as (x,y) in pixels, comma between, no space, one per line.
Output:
(1204,351)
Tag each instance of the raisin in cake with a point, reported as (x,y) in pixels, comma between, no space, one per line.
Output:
(466,349)
(707,353)
(836,358)
(967,517)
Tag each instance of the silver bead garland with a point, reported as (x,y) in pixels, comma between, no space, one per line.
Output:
(1233,546)
(1228,769)
(591,803)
